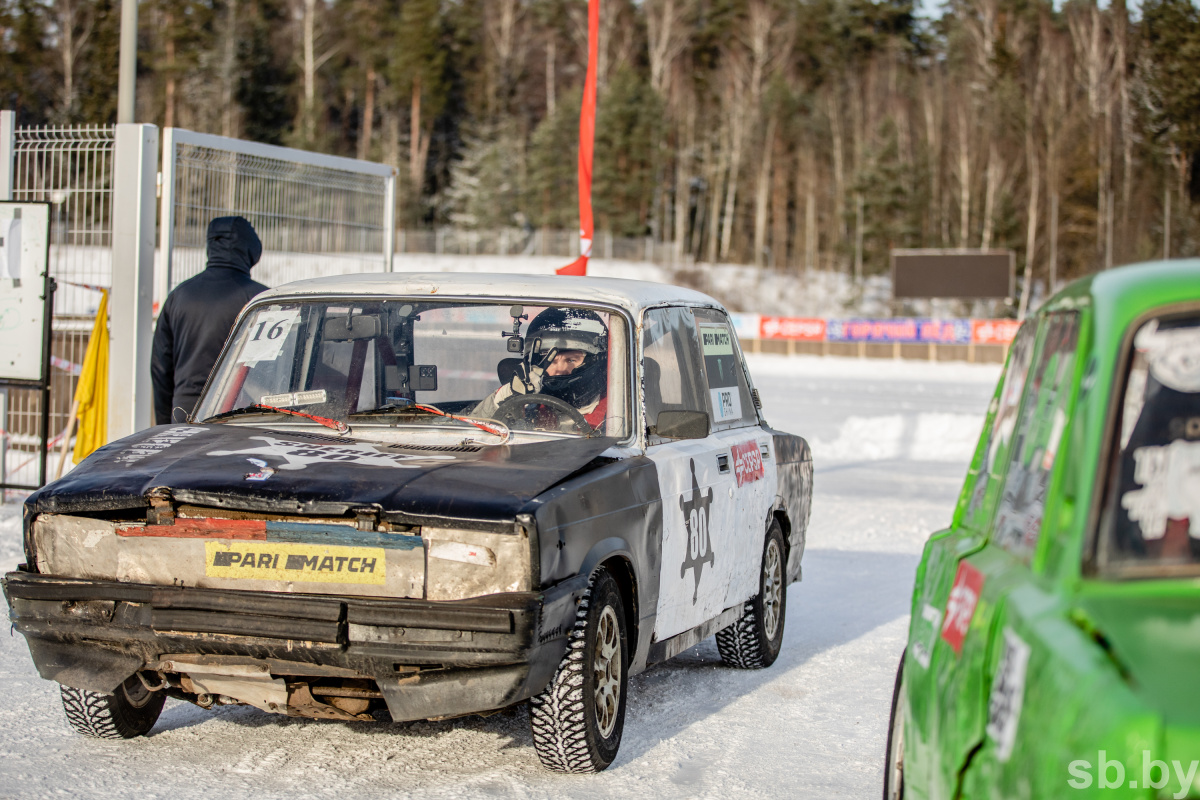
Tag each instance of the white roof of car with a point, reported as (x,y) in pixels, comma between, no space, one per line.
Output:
(630,295)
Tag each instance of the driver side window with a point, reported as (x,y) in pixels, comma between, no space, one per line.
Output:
(671,364)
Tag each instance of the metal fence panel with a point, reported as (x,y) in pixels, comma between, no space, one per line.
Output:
(316,214)
(71,168)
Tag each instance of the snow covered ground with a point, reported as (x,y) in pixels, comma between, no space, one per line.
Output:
(891,442)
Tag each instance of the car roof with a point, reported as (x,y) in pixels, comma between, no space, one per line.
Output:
(1120,296)
(630,295)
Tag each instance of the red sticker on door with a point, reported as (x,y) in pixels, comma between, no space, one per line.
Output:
(747,462)
(960,607)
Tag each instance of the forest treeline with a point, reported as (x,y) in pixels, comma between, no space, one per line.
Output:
(794,135)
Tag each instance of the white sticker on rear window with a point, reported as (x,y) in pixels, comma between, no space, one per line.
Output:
(1174,355)
(1170,480)
(268,332)
(726,403)
(716,339)
(1008,694)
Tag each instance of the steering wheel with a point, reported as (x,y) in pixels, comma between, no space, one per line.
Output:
(511,410)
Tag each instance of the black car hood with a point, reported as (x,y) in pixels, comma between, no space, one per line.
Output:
(250,468)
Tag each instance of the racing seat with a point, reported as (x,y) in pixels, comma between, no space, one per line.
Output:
(506,369)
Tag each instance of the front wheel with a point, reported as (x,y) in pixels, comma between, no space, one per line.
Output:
(893,768)
(577,720)
(754,641)
(128,712)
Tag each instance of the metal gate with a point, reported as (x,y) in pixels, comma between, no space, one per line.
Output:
(316,214)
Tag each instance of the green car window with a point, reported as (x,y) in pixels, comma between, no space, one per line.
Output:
(1036,438)
(991,462)
(1151,520)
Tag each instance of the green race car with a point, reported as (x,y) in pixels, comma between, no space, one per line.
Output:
(1054,647)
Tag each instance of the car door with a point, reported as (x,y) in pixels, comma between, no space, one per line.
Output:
(695,477)
(978,658)
(744,450)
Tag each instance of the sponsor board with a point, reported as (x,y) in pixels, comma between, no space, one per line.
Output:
(994,331)
(903,330)
(800,329)
(960,605)
(294,562)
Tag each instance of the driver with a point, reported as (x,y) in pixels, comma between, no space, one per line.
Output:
(566,357)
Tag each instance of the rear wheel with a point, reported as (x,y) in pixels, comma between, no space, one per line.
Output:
(577,720)
(128,712)
(754,641)
(893,768)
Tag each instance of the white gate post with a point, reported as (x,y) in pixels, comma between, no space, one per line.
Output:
(135,172)
(389,222)
(166,241)
(8,144)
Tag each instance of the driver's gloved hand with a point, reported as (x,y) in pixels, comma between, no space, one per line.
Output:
(527,379)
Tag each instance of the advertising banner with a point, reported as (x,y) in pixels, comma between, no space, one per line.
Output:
(745,325)
(994,331)
(800,329)
(904,330)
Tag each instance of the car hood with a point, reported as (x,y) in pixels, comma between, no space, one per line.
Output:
(251,468)
(1154,636)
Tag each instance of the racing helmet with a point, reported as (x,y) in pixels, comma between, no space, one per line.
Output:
(572,329)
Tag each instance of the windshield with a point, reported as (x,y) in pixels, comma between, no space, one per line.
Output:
(1151,522)
(404,362)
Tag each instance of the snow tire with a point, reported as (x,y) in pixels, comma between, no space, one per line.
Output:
(754,641)
(893,767)
(129,712)
(577,721)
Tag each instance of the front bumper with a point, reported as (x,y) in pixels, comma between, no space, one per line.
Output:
(429,659)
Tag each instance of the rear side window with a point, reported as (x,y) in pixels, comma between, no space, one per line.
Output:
(1037,437)
(729,397)
(1151,520)
(990,463)
(671,365)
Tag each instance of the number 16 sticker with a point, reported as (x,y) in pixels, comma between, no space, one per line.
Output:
(268,332)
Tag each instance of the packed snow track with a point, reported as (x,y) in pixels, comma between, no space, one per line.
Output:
(891,442)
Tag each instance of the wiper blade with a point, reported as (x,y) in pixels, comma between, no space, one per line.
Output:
(487,426)
(261,408)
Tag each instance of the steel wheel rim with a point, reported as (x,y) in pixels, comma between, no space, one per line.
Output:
(606,670)
(896,756)
(772,591)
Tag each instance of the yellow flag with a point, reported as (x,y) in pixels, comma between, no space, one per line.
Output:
(91,393)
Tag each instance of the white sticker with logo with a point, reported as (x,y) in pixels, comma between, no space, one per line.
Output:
(726,403)
(299,455)
(1170,480)
(716,339)
(268,332)
(1008,693)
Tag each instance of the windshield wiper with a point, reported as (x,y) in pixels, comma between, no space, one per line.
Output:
(487,426)
(260,408)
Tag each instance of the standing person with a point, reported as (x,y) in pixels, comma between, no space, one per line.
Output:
(198,316)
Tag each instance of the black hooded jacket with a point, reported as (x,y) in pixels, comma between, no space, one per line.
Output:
(198,316)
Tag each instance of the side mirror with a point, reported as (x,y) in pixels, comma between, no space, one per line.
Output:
(681,425)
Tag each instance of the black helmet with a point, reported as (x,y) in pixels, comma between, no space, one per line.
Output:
(572,329)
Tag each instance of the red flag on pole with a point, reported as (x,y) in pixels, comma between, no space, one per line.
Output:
(587,139)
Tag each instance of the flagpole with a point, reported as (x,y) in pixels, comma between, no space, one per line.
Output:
(587,142)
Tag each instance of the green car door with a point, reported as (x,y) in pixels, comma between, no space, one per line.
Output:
(969,570)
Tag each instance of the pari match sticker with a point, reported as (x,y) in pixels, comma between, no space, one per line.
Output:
(267,561)
(716,339)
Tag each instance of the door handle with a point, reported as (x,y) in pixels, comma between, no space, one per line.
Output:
(722,463)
